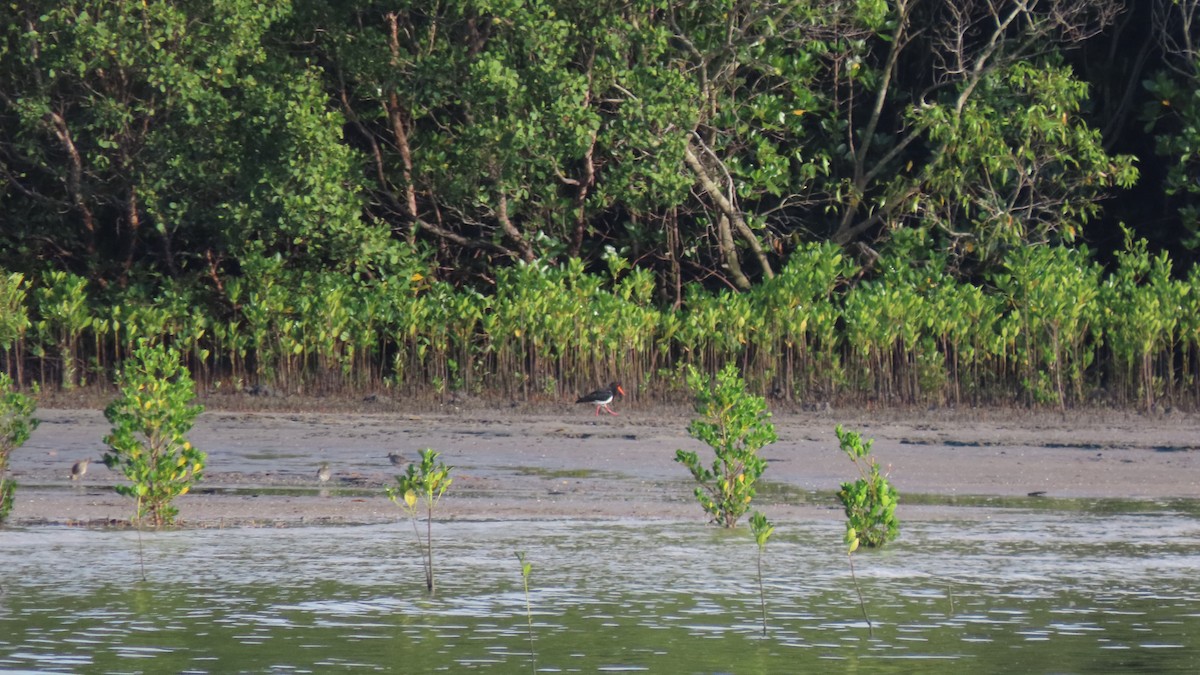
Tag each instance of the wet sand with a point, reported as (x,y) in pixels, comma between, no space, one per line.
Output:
(559,461)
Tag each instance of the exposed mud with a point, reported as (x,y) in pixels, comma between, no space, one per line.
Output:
(560,461)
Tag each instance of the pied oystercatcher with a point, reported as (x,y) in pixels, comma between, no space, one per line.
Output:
(602,397)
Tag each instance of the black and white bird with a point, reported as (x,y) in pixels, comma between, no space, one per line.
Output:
(602,397)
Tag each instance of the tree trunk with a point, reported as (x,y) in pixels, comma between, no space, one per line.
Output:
(400,132)
(511,230)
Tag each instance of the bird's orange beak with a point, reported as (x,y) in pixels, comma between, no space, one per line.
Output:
(619,389)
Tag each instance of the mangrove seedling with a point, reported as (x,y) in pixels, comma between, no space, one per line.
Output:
(763,529)
(870,501)
(16,425)
(870,504)
(526,569)
(736,425)
(150,419)
(425,482)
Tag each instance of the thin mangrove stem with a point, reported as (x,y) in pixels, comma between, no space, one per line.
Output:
(424,556)
(141,553)
(861,603)
(762,595)
(429,549)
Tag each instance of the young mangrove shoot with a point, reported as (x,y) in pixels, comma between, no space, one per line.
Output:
(526,570)
(425,482)
(736,425)
(763,529)
(870,501)
(870,504)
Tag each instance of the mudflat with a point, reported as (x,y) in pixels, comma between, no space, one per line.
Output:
(560,461)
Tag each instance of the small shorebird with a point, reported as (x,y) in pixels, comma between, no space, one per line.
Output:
(78,469)
(602,397)
(396,459)
(324,473)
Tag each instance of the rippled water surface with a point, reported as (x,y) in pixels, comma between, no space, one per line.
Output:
(1022,592)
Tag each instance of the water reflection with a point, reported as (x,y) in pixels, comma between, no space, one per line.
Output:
(1024,591)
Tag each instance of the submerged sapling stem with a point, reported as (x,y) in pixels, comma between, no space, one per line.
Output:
(526,569)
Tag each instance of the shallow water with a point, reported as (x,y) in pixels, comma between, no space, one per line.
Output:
(1026,591)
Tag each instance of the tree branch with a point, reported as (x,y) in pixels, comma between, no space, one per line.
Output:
(731,214)
(75,177)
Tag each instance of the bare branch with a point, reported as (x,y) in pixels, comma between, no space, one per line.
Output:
(1176,24)
(74,176)
(725,204)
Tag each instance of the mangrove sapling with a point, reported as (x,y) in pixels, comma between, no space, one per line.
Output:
(736,426)
(427,482)
(870,501)
(763,529)
(870,504)
(16,425)
(526,570)
(150,419)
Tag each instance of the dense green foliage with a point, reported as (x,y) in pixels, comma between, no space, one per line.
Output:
(1048,326)
(16,424)
(736,425)
(150,420)
(848,199)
